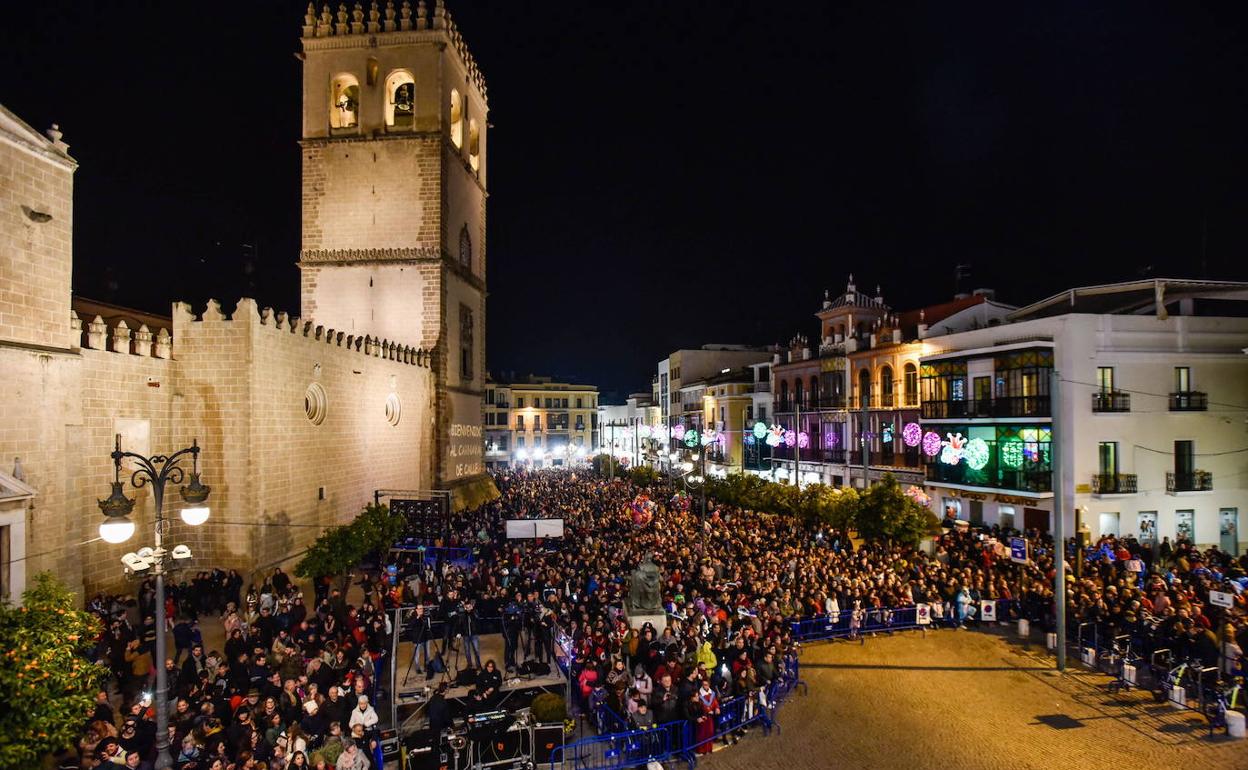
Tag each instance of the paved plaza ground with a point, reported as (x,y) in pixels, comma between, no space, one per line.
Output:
(965,699)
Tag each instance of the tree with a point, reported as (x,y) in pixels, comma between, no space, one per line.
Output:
(888,514)
(46,683)
(340,549)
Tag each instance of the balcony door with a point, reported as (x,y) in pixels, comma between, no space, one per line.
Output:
(1107,454)
(983,396)
(1184,462)
(1105,378)
(1182,379)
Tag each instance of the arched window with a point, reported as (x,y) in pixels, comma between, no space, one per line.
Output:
(911,384)
(400,99)
(784,396)
(797,393)
(474,145)
(864,384)
(344,101)
(814,392)
(465,247)
(886,385)
(457,118)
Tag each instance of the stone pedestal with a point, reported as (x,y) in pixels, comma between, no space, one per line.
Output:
(637,620)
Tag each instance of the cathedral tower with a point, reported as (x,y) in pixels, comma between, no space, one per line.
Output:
(394,189)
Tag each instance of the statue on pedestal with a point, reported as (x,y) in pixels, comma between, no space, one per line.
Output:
(645,596)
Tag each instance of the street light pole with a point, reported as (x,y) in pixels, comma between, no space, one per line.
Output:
(156,471)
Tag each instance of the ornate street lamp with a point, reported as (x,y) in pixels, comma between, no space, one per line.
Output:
(117,527)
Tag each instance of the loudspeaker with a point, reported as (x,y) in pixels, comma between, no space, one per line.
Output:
(547,738)
(506,746)
(534,668)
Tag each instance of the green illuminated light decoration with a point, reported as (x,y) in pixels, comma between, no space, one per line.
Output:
(976,453)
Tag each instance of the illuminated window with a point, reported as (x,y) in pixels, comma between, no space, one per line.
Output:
(400,99)
(457,118)
(344,101)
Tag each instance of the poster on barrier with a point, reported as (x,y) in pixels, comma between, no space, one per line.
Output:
(988,611)
(1018,550)
(922,615)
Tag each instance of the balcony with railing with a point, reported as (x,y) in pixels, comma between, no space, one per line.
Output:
(1189,401)
(1193,481)
(813,404)
(1002,406)
(1111,401)
(876,459)
(1114,484)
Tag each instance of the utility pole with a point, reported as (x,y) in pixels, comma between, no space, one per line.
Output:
(797,446)
(1059,540)
(865,421)
(611,453)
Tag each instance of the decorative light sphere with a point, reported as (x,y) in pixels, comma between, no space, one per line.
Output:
(195,515)
(931,443)
(976,453)
(117,529)
(678,431)
(691,438)
(803,440)
(912,434)
(790,438)
(760,430)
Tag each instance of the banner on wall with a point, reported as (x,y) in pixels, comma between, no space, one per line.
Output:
(464,446)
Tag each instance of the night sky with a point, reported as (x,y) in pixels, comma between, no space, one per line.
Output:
(669,174)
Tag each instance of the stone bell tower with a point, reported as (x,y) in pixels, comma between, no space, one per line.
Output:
(394,190)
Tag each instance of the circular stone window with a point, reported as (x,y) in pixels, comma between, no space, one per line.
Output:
(315,403)
(394,409)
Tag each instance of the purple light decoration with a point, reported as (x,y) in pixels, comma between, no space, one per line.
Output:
(790,438)
(931,444)
(803,440)
(831,440)
(678,431)
(912,434)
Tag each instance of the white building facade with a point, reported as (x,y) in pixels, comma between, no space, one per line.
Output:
(1147,413)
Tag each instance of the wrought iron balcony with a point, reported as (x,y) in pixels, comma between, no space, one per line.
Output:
(1111,401)
(1195,481)
(1114,484)
(1189,401)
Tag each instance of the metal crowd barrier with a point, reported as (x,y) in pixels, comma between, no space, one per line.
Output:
(676,740)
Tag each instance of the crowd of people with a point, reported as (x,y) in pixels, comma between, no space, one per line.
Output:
(292,687)
(288,687)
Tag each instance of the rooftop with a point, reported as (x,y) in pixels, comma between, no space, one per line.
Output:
(1152,296)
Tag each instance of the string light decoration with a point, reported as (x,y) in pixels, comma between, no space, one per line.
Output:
(931,443)
(912,434)
(790,438)
(691,438)
(803,440)
(1012,453)
(886,433)
(678,431)
(775,436)
(760,430)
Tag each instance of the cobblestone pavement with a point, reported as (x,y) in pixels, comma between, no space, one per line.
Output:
(966,699)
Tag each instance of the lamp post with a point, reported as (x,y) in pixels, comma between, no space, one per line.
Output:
(156,471)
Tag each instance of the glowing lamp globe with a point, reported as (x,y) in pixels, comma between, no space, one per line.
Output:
(760,430)
(195,515)
(116,529)
(912,434)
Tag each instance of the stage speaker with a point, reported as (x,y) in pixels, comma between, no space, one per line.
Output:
(546,738)
(506,746)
